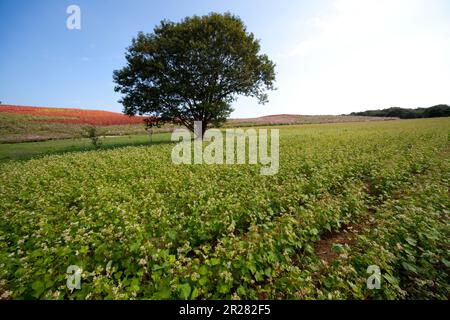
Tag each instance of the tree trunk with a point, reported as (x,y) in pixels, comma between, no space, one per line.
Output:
(200,129)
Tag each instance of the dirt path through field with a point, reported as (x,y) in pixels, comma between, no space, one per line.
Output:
(347,235)
(324,248)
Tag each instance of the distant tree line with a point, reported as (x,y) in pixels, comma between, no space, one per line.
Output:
(441,110)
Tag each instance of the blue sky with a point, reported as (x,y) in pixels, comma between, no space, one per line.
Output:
(332,56)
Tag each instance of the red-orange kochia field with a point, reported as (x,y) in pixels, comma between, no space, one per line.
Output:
(75,116)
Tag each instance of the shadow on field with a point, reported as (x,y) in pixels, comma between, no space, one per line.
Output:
(29,150)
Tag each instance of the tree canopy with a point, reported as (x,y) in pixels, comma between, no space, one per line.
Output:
(193,70)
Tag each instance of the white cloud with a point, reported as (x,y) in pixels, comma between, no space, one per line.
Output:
(367,54)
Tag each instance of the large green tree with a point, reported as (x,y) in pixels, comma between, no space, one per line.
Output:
(193,70)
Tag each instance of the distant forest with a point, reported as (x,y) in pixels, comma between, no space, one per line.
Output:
(441,110)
